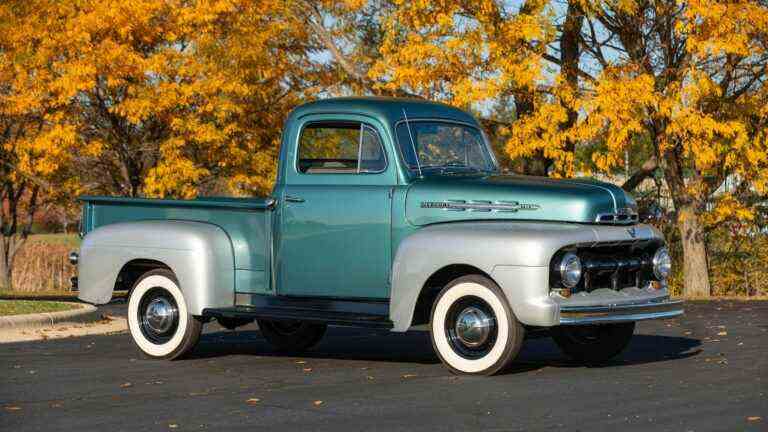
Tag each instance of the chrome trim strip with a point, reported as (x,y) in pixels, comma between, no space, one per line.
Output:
(656,309)
(613,218)
(504,206)
(621,318)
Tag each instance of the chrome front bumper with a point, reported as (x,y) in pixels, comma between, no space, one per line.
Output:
(660,308)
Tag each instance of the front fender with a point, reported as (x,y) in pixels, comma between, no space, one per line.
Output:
(200,255)
(515,254)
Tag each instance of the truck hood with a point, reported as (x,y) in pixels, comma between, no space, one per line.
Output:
(507,197)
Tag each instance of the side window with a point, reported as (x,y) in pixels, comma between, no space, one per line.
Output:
(340,148)
(372,158)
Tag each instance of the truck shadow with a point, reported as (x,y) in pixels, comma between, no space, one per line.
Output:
(416,347)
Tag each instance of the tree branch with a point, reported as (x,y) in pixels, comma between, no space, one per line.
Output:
(645,171)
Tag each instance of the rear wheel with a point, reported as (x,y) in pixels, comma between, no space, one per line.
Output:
(291,335)
(474,331)
(593,344)
(158,318)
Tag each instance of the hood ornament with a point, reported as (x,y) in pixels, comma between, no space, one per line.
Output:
(498,206)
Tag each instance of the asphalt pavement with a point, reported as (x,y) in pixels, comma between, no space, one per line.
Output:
(706,371)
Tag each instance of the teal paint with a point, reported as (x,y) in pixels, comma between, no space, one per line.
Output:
(245,221)
(341,241)
(252,282)
(337,242)
(545,199)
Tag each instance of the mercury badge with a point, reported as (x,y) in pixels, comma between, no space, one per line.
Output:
(499,206)
(632,232)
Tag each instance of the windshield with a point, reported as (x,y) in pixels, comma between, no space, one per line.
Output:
(443,147)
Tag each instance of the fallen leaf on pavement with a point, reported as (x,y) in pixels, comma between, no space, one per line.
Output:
(300,362)
(253,401)
(723,333)
(126,385)
(173,425)
(12,408)
(317,402)
(754,418)
(307,369)
(406,376)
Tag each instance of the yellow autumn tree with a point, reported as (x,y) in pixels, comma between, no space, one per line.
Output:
(36,139)
(494,58)
(179,97)
(681,82)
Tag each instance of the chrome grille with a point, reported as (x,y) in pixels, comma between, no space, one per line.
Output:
(620,218)
(614,265)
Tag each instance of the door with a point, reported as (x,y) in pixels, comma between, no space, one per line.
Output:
(336,212)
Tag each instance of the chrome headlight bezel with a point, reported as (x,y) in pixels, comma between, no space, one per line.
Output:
(570,270)
(662,263)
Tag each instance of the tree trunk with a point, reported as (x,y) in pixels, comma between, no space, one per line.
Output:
(6,267)
(695,266)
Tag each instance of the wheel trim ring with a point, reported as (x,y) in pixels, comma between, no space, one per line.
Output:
(153,334)
(455,340)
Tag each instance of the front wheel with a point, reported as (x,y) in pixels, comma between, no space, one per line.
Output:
(474,331)
(158,318)
(290,335)
(593,344)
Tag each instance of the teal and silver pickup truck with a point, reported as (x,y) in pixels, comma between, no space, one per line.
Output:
(388,213)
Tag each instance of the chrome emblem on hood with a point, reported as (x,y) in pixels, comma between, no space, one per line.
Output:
(632,232)
(498,206)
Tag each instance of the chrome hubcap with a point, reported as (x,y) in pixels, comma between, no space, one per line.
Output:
(160,315)
(473,326)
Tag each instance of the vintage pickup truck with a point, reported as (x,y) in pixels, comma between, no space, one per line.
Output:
(388,213)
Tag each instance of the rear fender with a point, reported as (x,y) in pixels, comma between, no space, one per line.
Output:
(199,254)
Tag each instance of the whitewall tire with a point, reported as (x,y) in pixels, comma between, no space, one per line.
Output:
(474,331)
(158,317)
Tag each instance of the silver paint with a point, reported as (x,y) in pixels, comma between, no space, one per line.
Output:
(199,254)
(515,255)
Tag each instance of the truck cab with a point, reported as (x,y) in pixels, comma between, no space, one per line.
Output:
(388,213)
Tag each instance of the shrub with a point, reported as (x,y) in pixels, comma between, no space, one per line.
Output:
(43,264)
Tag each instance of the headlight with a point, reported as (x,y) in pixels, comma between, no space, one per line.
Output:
(662,264)
(570,270)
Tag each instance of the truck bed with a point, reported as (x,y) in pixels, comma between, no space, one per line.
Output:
(247,222)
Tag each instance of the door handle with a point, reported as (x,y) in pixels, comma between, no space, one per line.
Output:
(293,199)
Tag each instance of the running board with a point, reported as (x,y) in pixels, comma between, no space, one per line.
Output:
(317,310)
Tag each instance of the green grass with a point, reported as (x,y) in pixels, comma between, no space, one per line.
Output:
(20,307)
(38,295)
(48,295)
